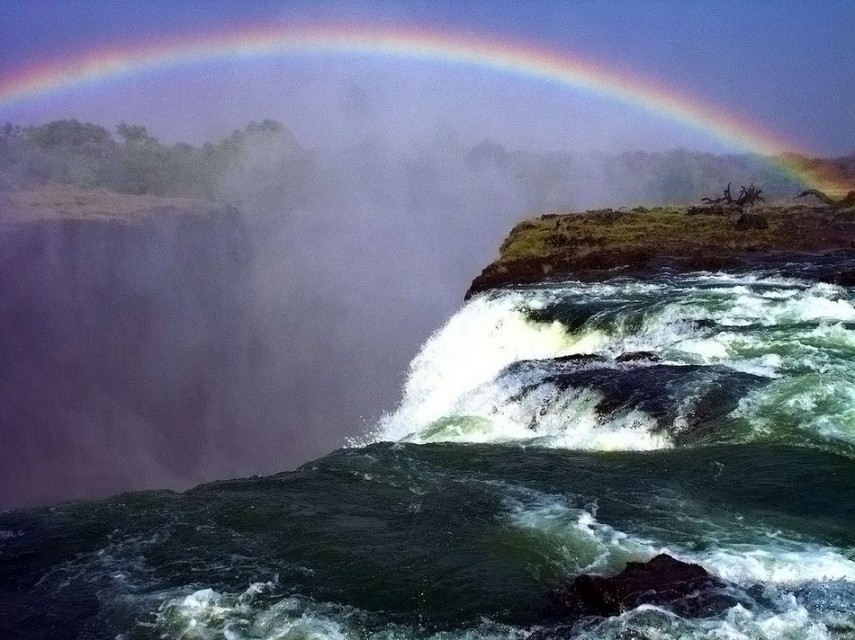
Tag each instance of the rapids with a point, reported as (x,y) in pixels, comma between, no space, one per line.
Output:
(544,432)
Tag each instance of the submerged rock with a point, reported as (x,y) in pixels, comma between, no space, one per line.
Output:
(684,588)
(842,278)
(580,359)
(689,403)
(638,356)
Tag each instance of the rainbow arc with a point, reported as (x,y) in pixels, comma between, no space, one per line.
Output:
(417,44)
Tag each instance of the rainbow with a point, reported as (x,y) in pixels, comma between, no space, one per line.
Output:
(420,44)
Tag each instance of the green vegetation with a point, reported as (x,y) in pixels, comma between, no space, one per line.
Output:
(266,157)
(705,237)
(131,161)
(669,229)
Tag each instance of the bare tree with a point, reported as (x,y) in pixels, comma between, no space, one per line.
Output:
(747,196)
(846,201)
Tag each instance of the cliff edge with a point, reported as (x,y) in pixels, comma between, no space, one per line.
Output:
(125,324)
(606,243)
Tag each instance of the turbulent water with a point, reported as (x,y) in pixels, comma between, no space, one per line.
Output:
(543,433)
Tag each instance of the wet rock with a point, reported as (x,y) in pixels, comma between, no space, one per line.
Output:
(748,221)
(638,356)
(579,358)
(689,403)
(843,278)
(684,588)
(570,362)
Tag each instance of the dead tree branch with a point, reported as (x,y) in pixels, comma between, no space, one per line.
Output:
(846,201)
(746,196)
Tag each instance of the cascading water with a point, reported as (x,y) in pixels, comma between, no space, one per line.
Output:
(543,432)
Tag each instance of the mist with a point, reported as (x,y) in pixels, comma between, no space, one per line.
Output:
(183,352)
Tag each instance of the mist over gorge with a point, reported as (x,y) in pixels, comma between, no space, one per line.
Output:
(278,323)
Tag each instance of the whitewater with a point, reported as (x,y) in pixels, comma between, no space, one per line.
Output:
(544,432)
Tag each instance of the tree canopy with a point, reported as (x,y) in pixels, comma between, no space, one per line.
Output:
(263,160)
(131,161)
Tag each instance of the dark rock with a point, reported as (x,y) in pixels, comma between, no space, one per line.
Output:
(570,362)
(637,356)
(684,588)
(844,278)
(658,390)
(579,358)
(708,262)
(748,221)
(575,632)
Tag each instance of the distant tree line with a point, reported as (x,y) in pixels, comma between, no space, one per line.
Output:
(129,161)
(263,161)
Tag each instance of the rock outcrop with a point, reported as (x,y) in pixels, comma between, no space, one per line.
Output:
(684,588)
(601,244)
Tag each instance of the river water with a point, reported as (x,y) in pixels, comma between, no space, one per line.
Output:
(543,432)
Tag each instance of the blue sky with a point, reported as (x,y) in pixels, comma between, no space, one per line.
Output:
(786,66)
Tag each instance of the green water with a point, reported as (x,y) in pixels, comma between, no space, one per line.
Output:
(510,466)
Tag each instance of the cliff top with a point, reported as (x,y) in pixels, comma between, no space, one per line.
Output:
(65,202)
(602,243)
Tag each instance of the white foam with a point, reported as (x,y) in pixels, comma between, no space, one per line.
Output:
(498,412)
(748,279)
(818,403)
(773,560)
(791,622)
(451,392)
(781,564)
(207,614)
(541,296)
(583,544)
(833,335)
(195,614)
(744,306)
(485,336)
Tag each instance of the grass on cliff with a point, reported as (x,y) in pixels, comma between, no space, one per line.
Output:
(673,231)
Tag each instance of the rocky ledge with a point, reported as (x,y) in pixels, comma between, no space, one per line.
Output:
(685,589)
(603,243)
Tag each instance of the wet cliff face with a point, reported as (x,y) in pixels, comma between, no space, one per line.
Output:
(128,354)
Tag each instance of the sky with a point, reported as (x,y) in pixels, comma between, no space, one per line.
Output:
(783,68)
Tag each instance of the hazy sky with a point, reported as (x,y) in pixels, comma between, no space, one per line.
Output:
(784,66)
